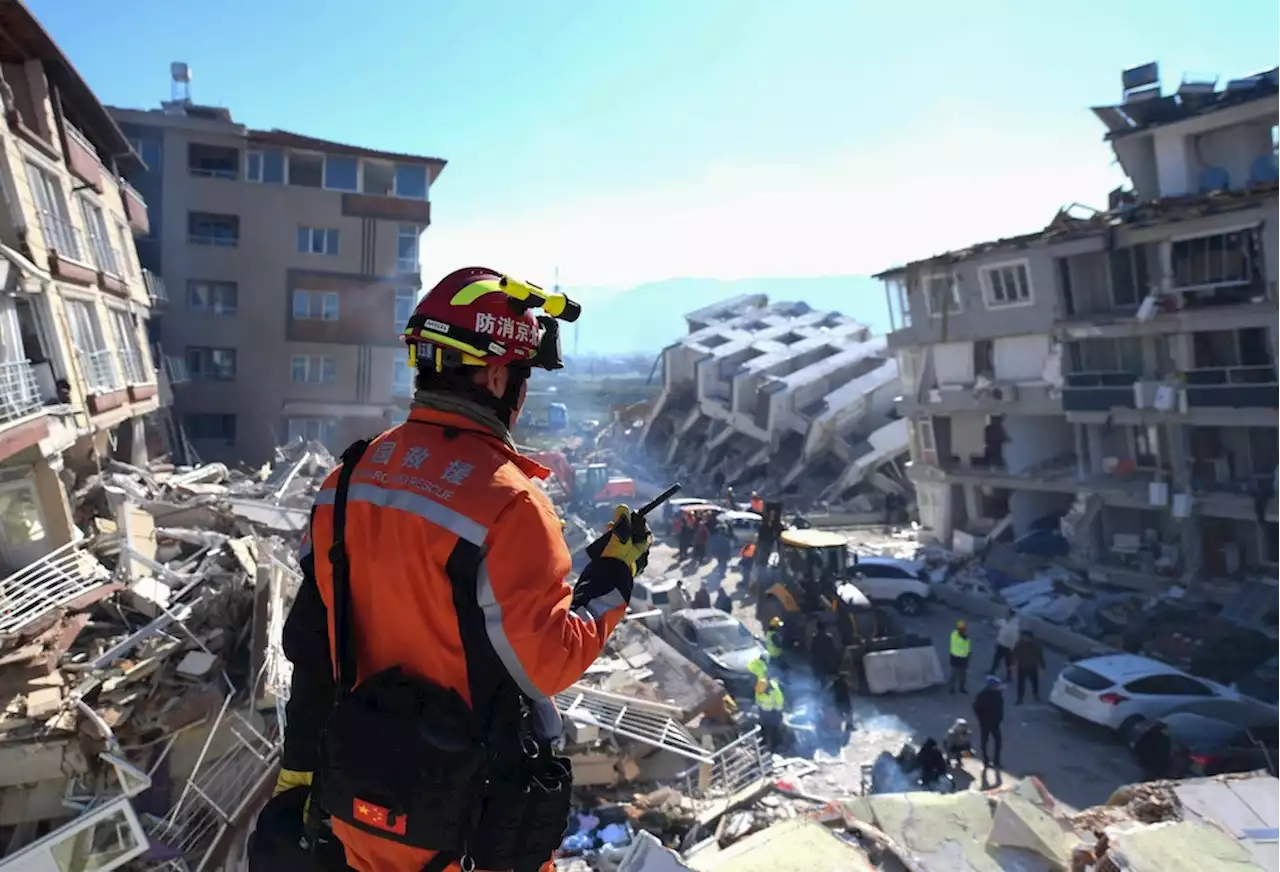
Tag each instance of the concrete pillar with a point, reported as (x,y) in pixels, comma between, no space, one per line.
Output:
(54,502)
(131,442)
(1081,472)
(972,502)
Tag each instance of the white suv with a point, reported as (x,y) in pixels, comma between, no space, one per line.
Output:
(903,583)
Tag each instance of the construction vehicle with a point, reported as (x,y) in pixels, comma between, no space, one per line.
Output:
(808,584)
(588,485)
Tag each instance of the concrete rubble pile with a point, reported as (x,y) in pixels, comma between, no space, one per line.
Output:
(1206,823)
(142,675)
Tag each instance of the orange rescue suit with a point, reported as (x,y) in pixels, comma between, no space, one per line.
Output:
(419,490)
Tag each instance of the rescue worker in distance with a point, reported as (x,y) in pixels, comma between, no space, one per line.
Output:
(456,570)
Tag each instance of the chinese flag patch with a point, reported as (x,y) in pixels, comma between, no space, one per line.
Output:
(378,817)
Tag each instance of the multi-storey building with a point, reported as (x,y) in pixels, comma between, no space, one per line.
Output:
(779,396)
(1114,375)
(76,377)
(293,265)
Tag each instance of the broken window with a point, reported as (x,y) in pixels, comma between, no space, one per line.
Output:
(213,161)
(1215,349)
(942,294)
(1007,284)
(984,357)
(1129,278)
(212,427)
(306,170)
(1221,260)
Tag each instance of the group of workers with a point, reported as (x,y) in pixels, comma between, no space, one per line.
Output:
(770,700)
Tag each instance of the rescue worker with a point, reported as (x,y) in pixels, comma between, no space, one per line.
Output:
(422,604)
(1008,631)
(746,557)
(958,741)
(770,704)
(988,707)
(728,499)
(759,667)
(688,528)
(1028,660)
(959,650)
(773,638)
(757,504)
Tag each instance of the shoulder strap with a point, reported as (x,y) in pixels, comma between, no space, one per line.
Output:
(344,644)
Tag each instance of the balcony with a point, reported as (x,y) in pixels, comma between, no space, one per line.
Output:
(155,288)
(68,250)
(65,578)
(82,157)
(135,210)
(1098,391)
(110,276)
(102,378)
(204,228)
(1236,387)
(387,208)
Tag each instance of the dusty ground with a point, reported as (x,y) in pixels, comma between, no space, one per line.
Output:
(1080,765)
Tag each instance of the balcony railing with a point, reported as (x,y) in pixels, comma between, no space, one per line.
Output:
(176,369)
(1098,391)
(1233,387)
(106,257)
(63,237)
(155,287)
(41,588)
(19,390)
(221,240)
(100,371)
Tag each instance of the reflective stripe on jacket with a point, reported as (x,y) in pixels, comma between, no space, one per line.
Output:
(772,643)
(959,644)
(439,501)
(758,667)
(770,699)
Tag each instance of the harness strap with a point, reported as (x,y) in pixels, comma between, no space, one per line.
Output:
(344,641)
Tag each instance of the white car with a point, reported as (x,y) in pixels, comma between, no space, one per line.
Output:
(742,525)
(1122,690)
(903,583)
(664,594)
(671,506)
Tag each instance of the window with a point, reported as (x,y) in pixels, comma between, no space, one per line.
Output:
(126,332)
(97,361)
(213,161)
(317,240)
(123,240)
(379,179)
(941,293)
(320,430)
(272,167)
(1129,278)
(315,305)
(313,369)
(1223,260)
(104,255)
(306,170)
(106,841)
(149,150)
(407,248)
(1007,285)
(1168,685)
(21,519)
(211,364)
(899,303)
(398,416)
(207,228)
(402,375)
(213,427)
(253,166)
(411,181)
(55,221)
(341,173)
(213,298)
(406,299)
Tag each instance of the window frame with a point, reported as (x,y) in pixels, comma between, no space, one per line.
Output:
(1244,230)
(426,182)
(400,364)
(304,422)
(326,368)
(954,305)
(417,248)
(327,234)
(58,208)
(225,416)
(988,289)
(195,372)
(400,298)
(249,155)
(324,296)
(97,233)
(324,173)
(213,241)
(212,285)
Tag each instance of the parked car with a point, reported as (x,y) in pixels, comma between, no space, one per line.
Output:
(904,583)
(1216,736)
(743,525)
(718,644)
(671,506)
(663,594)
(1121,690)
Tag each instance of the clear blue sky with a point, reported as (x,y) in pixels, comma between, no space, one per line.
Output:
(636,141)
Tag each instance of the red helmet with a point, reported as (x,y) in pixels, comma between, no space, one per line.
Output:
(477,317)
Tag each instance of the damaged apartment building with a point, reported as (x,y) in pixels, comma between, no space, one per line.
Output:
(1107,385)
(780,398)
(76,379)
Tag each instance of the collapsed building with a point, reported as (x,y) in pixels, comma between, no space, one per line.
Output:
(1109,382)
(782,398)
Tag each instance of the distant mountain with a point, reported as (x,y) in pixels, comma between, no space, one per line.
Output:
(650,316)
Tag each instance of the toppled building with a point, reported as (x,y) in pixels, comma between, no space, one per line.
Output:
(1110,381)
(780,397)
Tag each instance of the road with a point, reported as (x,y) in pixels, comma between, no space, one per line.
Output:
(1079,764)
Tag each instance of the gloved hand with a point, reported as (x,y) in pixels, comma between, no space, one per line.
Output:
(628,540)
(288,779)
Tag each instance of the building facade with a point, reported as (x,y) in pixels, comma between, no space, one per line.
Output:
(77,378)
(292,264)
(1110,381)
